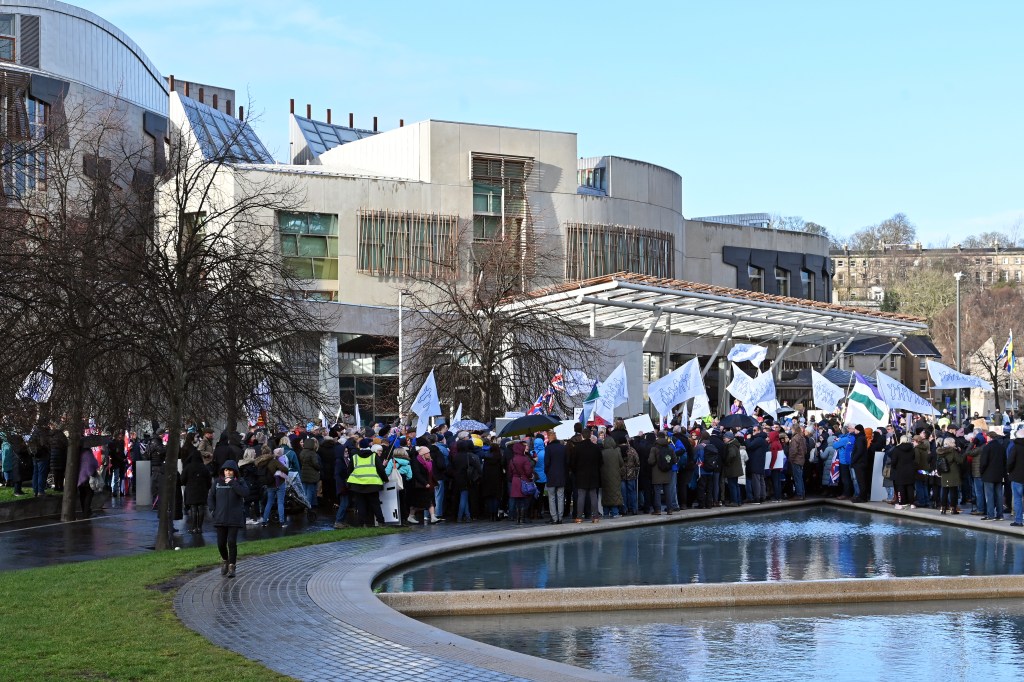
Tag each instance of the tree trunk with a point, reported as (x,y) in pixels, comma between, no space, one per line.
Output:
(168,494)
(69,501)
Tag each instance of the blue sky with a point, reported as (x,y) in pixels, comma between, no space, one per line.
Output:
(841,112)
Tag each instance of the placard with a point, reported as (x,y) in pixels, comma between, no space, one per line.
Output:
(638,425)
(566,430)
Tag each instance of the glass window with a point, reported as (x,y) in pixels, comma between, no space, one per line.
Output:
(289,245)
(486,198)
(486,227)
(1006,261)
(922,363)
(322,223)
(756,278)
(325,268)
(839,278)
(301,268)
(782,281)
(1017,275)
(808,281)
(892,362)
(313,246)
(292,222)
(6,24)
(923,386)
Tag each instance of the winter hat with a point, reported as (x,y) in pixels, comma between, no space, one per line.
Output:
(365,444)
(377,448)
(462,435)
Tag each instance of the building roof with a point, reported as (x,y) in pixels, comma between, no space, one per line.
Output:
(625,300)
(222,135)
(840,377)
(915,344)
(322,137)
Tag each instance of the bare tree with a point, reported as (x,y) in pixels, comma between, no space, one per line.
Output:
(892,231)
(489,349)
(213,310)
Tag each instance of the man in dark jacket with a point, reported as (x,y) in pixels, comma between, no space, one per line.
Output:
(586,470)
(556,469)
(1015,471)
(642,445)
(757,452)
(225,450)
(993,470)
(58,457)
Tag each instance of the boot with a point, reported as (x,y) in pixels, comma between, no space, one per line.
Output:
(192,514)
(942,511)
(224,568)
(231,570)
(200,518)
(956,510)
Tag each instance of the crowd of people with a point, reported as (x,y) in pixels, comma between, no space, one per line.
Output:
(599,473)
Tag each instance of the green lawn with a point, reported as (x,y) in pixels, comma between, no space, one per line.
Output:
(113,619)
(7,494)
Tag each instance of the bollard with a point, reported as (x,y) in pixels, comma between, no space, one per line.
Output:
(143,476)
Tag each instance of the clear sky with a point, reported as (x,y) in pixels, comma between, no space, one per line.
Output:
(843,113)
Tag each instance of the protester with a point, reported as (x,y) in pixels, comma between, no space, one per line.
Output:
(226,502)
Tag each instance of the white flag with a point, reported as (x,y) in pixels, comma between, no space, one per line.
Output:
(458,414)
(701,407)
(662,392)
(323,420)
(358,418)
(576,382)
(741,385)
(826,394)
(762,393)
(38,386)
(426,404)
(899,397)
(747,351)
(947,377)
(612,393)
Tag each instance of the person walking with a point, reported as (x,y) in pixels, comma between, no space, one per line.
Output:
(226,502)
(87,467)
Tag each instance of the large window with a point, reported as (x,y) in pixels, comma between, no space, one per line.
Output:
(7,39)
(309,244)
(397,243)
(782,281)
(499,193)
(755,276)
(807,278)
(595,250)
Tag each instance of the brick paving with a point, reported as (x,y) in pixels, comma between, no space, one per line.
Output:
(310,613)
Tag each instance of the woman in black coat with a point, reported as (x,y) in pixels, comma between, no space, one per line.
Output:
(227,508)
(492,482)
(902,470)
(195,476)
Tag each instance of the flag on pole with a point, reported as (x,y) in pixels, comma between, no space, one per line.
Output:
(426,404)
(898,396)
(826,394)
(740,386)
(865,405)
(613,392)
(588,404)
(549,399)
(1007,356)
(458,414)
(38,386)
(558,381)
(747,351)
(701,407)
(358,417)
(538,405)
(946,377)
(575,381)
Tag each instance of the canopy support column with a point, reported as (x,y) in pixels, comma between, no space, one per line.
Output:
(777,365)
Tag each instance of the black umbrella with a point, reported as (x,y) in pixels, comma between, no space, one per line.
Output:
(738,421)
(784,410)
(531,423)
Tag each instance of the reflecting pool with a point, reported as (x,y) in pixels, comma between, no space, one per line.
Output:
(810,543)
(982,640)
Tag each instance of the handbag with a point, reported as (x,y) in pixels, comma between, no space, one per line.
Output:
(396,478)
(96,482)
(528,488)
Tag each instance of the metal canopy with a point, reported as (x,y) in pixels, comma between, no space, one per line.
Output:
(626,300)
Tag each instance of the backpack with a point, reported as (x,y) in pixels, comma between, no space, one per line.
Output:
(665,460)
(941,465)
(712,460)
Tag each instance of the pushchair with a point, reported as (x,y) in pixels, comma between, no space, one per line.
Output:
(295,501)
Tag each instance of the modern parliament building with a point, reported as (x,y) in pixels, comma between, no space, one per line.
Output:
(375,202)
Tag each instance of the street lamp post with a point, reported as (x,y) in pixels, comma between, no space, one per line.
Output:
(958,276)
(401,366)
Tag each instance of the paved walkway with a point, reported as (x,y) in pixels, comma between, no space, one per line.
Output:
(310,613)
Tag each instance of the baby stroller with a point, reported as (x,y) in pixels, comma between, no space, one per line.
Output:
(295,498)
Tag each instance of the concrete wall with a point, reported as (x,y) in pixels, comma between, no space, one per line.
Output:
(704,242)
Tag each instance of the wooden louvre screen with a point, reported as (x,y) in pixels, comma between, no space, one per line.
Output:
(593,250)
(402,243)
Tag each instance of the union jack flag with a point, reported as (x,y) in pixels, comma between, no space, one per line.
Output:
(833,473)
(558,381)
(549,399)
(537,407)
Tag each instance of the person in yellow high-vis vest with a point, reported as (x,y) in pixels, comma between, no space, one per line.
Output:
(366,481)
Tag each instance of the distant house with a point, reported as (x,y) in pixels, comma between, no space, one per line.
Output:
(905,361)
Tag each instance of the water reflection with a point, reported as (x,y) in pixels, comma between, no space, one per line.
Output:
(923,640)
(806,544)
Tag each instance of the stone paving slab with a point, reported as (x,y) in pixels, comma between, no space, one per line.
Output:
(310,613)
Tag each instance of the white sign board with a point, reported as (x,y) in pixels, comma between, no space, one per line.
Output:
(566,429)
(514,415)
(638,425)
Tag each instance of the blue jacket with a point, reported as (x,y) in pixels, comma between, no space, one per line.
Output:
(538,468)
(844,448)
